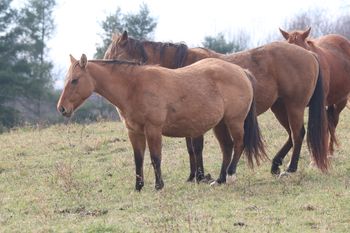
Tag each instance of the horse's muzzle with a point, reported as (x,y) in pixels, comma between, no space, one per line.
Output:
(64,111)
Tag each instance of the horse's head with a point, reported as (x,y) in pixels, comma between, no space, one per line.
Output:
(78,86)
(297,37)
(125,48)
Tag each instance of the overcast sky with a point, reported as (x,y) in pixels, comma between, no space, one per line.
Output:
(78,21)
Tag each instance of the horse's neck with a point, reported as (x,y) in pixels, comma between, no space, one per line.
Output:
(111,84)
(160,55)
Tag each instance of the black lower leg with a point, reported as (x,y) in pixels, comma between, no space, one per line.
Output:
(278,159)
(197,145)
(192,160)
(139,170)
(222,176)
(232,168)
(156,162)
(293,165)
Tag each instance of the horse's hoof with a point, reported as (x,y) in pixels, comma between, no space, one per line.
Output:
(284,175)
(207,179)
(214,183)
(139,185)
(159,186)
(275,171)
(231,179)
(190,178)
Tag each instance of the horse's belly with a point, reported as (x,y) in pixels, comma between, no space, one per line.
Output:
(191,126)
(188,128)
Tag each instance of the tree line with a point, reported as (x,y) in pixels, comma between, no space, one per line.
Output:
(27,93)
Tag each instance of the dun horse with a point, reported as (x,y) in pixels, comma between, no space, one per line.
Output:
(288,80)
(334,55)
(187,102)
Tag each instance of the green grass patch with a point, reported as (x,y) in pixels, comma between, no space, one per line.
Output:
(80,178)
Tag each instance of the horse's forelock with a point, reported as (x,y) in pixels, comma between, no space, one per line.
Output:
(70,70)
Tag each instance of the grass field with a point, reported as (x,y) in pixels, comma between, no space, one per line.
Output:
(80,178)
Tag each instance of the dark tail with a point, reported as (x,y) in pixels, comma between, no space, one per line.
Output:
(317,134)
(253,143)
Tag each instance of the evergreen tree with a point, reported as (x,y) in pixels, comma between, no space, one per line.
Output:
(139,26)
(11,68)
(219,44)
(36,24)
(112,24)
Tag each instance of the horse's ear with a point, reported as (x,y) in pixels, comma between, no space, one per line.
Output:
(72,59)
(306,33)
(124,36)
(284,34)
(83,61)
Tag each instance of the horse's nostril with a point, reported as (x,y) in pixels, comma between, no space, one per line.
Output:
(61,109)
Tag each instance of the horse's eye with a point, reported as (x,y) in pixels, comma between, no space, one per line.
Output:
(74,81)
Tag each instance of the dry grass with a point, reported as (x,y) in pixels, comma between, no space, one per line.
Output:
(75,178)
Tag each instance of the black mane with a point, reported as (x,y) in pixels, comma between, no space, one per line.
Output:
(180,55)
(115,61)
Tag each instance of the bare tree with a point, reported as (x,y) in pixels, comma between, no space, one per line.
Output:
(342,25)
(316,18)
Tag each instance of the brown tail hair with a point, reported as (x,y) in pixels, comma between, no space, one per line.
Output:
(317,133)
(253,143)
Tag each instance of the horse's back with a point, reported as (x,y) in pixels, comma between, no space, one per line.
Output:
(336,51)
(282,71)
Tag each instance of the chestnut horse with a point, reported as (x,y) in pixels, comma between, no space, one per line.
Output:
(187,102)
(288,80)
(334,55)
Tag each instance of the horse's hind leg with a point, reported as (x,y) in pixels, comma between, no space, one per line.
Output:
(333,113)
(138,142)
(280,112)
(222,134)
(296,122)
(154,141)
(237,132)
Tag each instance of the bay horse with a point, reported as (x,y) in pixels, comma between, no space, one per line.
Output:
(334,55)
(288,80)
(187,102)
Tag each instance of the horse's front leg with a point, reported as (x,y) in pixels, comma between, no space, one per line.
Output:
(195,151)
(138,142)
(154,141)
(192,159)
